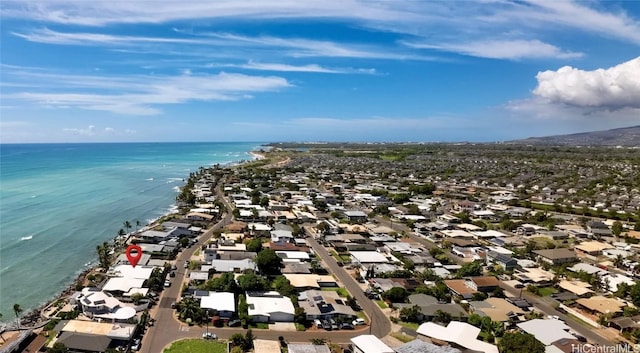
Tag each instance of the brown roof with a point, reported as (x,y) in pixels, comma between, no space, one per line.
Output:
(558,253)
(485,281)
(601,304)
(236,227)
(287,247)
(459,286)
(567,345)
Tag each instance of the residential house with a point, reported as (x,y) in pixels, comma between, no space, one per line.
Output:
(546,331)
(505,261)
(305,348)
(269,307)
(319,304)
(556,256)
(599,305)
(458,335)
(420,346)
(498,309)
(369,344)
(223,303)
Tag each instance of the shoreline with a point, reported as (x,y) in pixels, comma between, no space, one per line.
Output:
(34,317)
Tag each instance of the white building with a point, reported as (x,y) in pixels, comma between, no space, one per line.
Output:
(269,307)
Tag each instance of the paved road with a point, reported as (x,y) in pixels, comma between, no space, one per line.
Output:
(168,329)
(546,306)
(380,324)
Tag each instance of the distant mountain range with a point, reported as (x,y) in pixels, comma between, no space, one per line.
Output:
(627,136)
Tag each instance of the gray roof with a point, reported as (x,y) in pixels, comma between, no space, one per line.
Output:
(558,253)
(546,331)
(307,348)
(419,346)
(422,299)
(84,342)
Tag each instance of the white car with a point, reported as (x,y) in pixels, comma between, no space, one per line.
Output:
(167,283)
(209,336)
(358,322)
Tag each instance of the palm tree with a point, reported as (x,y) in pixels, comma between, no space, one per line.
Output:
(127,225)
(138,224)
(17,310)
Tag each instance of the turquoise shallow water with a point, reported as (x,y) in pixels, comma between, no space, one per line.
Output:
(58,201)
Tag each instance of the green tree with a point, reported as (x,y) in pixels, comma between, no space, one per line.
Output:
(243,310)
(442,316)
(518,342)
(282,285)
(127,225)
(470,269)
(396,295)
(58,347)
(254,245)
(617,228)
(104,254)
(189,310)
(300,316)
(634,293)
(268,262)
(136,298)
(410,314)
(250,281)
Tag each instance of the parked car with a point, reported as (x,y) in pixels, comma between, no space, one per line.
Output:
(318,323)
(209,336)
(326,325)
(334,324)
(346,326)
(135,345)
(358,322)
(186,264)
(172,274)
(234,323)
(167,283)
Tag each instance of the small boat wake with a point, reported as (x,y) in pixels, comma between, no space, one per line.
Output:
(26,238)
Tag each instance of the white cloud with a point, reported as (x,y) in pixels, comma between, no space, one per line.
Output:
(89,131)
(313,68)
(502,49)
(614,88)
(100,13)
(137,95)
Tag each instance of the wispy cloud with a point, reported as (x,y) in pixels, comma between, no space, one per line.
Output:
(313,68)
(138,95)
(502,49)
(100,12)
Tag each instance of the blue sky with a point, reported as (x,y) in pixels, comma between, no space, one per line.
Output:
(291,70)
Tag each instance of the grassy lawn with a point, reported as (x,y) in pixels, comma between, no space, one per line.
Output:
(381,304)
(343,292)
(546,291)
(259,325)
(402,338)
(300,327)
(197,252)
(411,325)
(196,346)
(361,315)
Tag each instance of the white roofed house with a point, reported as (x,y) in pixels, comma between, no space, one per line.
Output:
(369,344)
(223,303)
(100,305)
(270,307)
(458,334)
(281,236)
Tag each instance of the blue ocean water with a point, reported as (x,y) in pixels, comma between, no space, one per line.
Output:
(58,201)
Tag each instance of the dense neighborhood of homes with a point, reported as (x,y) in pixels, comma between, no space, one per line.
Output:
(456,266)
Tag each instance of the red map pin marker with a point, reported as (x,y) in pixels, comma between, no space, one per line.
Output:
(135,256)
